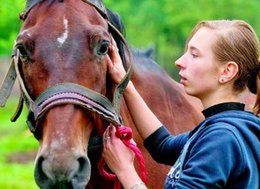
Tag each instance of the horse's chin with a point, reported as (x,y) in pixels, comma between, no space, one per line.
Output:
(78,179)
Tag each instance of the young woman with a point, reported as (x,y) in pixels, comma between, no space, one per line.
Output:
(223,151)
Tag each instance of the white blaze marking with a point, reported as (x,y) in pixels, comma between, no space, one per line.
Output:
(64,36)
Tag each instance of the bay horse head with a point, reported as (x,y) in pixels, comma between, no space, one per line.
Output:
(60,60)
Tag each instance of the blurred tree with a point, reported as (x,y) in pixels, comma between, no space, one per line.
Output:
(9,24)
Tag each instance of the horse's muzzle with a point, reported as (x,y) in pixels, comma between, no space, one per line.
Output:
(73,174)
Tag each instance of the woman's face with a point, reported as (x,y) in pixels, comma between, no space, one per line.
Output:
(199,71)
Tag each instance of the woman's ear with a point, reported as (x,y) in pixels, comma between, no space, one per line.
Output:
(228,72)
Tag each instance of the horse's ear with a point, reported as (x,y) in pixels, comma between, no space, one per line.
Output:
(28,6)
(150,52)
(99,5)
(31,3)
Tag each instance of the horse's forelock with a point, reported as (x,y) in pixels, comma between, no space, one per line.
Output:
(30,4)
(115,19)
(124,50)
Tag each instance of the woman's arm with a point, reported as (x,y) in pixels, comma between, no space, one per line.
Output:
(145,121)
(117,156)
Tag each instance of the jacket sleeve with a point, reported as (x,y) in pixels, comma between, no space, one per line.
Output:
(164,147)
(212,160)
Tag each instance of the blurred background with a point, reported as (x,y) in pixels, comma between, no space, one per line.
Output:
(161,24)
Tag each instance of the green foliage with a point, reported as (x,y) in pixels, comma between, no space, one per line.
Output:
(17,176)
(9,23)
(15,139)
(164,23)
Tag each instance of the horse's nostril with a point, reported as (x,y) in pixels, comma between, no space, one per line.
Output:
(73,174)
(40,172)
(82,164)
(42,178)
(82,175)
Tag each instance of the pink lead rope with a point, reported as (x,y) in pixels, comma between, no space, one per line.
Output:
(125,134)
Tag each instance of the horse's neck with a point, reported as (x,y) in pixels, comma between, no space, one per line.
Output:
(168,101)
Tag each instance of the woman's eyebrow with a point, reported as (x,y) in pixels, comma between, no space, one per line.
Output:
(193,48)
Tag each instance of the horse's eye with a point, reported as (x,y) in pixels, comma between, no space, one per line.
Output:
(103,48)
(23,53)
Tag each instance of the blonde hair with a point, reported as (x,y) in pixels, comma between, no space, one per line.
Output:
(238,42)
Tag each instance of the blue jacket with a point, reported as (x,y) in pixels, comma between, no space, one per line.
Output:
(223,151)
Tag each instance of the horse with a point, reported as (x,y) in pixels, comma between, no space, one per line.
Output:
(60,58)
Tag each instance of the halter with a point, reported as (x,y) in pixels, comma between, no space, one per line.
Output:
(63,93)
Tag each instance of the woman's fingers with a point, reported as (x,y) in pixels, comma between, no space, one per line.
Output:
(110,134)
(110,64)
(133,142)
(113,41)
(114,52)
(115,153)
(112,131)
(106,136)
(114,63)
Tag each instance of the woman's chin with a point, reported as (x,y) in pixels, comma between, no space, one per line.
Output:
(189,91)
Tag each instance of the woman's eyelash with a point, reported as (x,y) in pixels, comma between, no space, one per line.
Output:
(194,55)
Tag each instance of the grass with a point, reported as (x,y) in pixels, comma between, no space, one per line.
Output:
(15,140)
(17,176)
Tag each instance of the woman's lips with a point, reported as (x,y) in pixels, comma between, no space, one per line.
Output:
(183,80)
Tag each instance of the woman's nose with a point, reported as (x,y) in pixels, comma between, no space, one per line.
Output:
(179,62)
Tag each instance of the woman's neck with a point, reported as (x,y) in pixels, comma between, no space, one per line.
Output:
(217,98)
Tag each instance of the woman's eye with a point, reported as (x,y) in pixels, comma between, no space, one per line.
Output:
(102,48)
(194,55)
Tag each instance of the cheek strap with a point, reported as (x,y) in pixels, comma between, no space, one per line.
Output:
(8,83)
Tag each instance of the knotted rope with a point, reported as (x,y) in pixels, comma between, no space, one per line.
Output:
(125,134)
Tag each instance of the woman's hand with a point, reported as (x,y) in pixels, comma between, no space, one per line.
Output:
(118,157)
(120,160)
(115,65)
